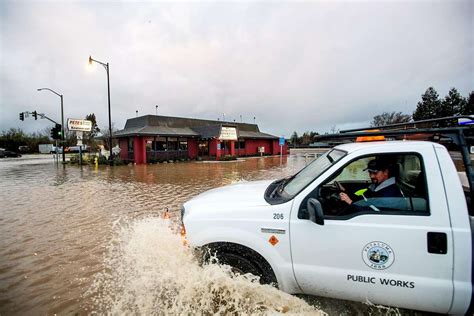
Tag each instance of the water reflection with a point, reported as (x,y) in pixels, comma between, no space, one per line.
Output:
(56,221)
(58,225)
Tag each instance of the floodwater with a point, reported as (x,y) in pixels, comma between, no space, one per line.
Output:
(92,240)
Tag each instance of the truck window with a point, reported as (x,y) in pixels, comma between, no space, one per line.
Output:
(308,174)
(381,184)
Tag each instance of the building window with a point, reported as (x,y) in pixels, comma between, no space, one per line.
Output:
(149,144)
(172,143)
(183,144)
(159,144)
(241,144)
(130,144)
(203,148)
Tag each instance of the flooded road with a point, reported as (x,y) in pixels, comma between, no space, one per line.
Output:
(80,240)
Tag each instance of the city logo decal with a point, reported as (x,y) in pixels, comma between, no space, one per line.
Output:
(378,255)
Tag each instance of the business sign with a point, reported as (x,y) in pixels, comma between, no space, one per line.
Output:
(79,125)
(228,133)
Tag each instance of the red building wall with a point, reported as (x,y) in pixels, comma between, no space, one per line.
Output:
(123,144)
(139,150)
(213,148)
(193,148)
(251,146)
(271,146)
(240,152)
(276,147)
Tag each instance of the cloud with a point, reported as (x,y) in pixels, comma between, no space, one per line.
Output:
(294,66)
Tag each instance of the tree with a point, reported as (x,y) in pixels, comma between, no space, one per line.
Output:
(312,136)
(105,136)
(334,130)
(12,138)
(89,138)
(306,138)
(452,104)
(429,106)
(70,138)
(95,128)
(468,108)
(15,137)
(387,118)
(294,139)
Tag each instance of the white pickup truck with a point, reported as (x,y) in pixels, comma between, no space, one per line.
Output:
(413,251)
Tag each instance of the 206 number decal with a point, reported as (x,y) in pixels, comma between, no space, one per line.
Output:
(278,216)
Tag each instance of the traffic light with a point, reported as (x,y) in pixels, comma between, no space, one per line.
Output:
(35,115)
(59,131)
(22,116)
(56,132)
(53,132)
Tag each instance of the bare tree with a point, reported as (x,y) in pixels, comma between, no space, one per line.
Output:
(387,118)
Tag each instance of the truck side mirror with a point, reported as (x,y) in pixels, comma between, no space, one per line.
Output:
(315,211)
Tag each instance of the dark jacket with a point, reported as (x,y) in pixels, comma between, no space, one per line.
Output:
(388,188)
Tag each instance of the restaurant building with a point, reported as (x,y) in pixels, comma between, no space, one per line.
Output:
(153,138)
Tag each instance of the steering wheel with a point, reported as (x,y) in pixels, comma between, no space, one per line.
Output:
(338,206)
(338,188)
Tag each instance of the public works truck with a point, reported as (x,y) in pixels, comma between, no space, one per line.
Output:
(413,251)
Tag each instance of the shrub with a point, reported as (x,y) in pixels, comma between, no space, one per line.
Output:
(227,158)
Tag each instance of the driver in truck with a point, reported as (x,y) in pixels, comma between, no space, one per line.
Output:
(383,184)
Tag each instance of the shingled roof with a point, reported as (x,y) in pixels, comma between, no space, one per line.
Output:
(154,125)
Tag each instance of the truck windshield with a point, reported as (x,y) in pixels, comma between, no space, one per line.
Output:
(307,175)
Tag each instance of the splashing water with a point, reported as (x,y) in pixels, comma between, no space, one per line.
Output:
(148,272)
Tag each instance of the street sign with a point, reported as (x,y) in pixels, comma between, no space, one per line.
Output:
(79,125)
(282,141)
(79,138)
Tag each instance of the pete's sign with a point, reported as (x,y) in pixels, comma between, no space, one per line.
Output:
(79,125)
(228,133)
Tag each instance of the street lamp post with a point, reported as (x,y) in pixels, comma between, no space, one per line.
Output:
(106,66)
(62,119)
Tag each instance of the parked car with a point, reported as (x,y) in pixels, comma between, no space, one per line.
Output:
(23,149)
(75,149)
(46,148)
(49,149)
(9,153)
(2,152)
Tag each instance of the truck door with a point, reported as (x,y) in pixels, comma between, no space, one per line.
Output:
(386,250)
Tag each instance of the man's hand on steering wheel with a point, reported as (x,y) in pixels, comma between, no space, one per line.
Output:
(344,197)
(341,194)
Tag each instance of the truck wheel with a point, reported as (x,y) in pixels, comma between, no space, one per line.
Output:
(239,264)
(243,265)
(242,259)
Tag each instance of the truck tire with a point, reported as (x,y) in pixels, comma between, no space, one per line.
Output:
(240,264)
(242,259)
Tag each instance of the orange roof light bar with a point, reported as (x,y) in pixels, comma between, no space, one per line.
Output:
(360,139)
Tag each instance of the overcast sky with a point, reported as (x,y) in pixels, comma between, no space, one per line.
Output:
(295,66)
